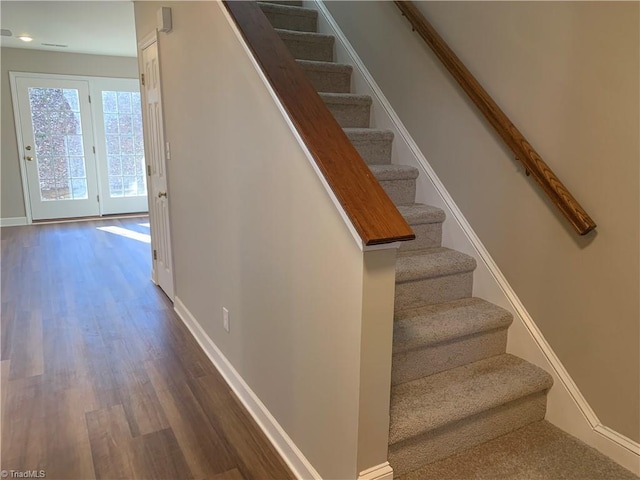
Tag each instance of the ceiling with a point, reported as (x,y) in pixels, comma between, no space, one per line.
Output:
(94,27)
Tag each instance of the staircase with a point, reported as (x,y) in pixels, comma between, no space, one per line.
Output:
(453,385)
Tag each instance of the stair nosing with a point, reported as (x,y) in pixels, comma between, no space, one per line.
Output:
(345,99)
(431,215)
(392,172)
(306,36)
(325,65)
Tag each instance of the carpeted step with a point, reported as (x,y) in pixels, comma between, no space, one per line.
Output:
(290,17)
(537,451)
(426,222)
(307,45)
(372,144)
(434,275)
(399,181)
(328,76)
(451,411)
(439,337)
(349,109)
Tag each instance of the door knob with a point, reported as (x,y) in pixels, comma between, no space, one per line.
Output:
(162,194)
(28,147)
(30,159)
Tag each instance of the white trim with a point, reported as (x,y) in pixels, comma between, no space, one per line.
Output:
(287,449)
(18,125)
(105,218)
(567,407)
(146,41)
(13,221)
(285,115)
(382,246)
(379,472)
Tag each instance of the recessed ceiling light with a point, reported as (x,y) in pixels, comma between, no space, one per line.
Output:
(25,38)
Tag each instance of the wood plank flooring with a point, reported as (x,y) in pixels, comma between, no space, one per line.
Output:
(99,378)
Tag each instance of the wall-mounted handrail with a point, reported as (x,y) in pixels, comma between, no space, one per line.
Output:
(373,214)
(519,145)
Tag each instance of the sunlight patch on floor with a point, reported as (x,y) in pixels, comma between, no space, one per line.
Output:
(125,232)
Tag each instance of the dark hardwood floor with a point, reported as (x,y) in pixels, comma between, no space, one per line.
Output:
(100,378)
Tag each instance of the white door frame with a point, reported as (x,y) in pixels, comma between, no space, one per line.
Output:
(146,42)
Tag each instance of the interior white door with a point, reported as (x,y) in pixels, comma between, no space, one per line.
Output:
(120,145)
(57,147)
(156,162)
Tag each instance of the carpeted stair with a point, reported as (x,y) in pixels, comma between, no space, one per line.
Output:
(453,386)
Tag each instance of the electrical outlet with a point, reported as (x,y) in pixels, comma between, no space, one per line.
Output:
(225,319)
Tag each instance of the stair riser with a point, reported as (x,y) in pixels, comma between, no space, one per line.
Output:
(401,192)
(431,446)
(349,115)
(415,364)
(327,80)
(374,152)
(310,50)
(433,290)
(428,235)
(299,23)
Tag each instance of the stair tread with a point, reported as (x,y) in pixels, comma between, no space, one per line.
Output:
(432,262)
(394,172)
(325,66)
(443,322)
(305,36)
(419,213)
(437,400)
(288,9)
(361,134)
(345,98)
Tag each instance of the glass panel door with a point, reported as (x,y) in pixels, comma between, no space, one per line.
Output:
(57,147)
(122,169)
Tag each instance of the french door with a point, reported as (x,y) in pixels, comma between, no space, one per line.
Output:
(57,147)
(81,143)
(120,145)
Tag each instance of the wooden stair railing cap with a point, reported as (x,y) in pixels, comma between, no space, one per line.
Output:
(522,149)
(372,213)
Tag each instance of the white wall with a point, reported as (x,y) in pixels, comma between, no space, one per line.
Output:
(567,73)
(39,61)
(255,231)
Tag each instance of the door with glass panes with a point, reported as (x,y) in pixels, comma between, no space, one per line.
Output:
(81,145)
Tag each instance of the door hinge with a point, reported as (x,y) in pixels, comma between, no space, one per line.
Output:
(155,254)
(94,149)
(98,198)
(149,170)
(142,79)
(89,98)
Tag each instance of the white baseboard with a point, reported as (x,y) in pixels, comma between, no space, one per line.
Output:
(379,472)
(567,407)
(13,221)
(287,449)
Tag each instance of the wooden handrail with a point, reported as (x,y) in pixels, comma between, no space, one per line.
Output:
(519,145)
(373,214)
